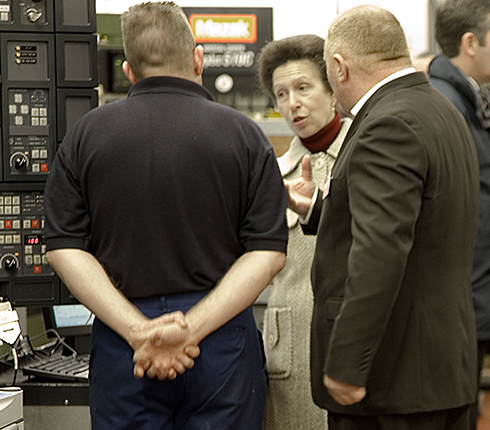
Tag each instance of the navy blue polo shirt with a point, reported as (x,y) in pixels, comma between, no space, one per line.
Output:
(166,188)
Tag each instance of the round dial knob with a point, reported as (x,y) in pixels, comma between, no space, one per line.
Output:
(19,161)
(9,262)
(34,14)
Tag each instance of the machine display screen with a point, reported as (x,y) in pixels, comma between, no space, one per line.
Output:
(34,239)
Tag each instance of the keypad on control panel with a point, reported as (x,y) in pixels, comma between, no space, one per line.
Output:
(21,232)
(27,108)
(9,205)
(29,130)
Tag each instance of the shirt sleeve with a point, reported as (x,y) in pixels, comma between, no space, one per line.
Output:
(264,226)
(67,217)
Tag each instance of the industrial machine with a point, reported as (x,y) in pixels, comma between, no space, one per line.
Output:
(48,68)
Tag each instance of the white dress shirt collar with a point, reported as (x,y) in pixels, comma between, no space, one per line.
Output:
(357,107)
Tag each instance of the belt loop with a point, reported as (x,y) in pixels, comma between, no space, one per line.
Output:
(163,300)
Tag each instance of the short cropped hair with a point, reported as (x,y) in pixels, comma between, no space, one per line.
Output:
(454,18)
(157,37)
(371,37)
(279,52)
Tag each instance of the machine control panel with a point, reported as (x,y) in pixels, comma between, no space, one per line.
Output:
(22,245)
(26,15)
(48,76)
(29,143)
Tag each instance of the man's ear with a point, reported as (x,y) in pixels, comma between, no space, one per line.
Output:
(198,60)
(129,72)
(469,44)
(341,67)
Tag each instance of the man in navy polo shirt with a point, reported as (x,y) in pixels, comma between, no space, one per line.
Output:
(161,203)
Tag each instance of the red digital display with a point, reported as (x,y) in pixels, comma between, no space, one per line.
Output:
(33,240)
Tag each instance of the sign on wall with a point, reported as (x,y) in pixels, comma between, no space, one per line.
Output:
(231,39)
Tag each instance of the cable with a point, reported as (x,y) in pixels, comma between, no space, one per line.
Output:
(15,356)
(16,364)
(92,315)
(62,342)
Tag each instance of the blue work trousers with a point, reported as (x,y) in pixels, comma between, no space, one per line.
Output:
(225,389)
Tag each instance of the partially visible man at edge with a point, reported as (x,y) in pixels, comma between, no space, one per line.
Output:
(164,202)
(460,73)
(393,329)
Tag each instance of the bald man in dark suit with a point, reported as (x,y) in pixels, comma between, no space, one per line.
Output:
(393,329)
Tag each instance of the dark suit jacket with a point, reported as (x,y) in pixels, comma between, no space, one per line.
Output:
(392,269)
